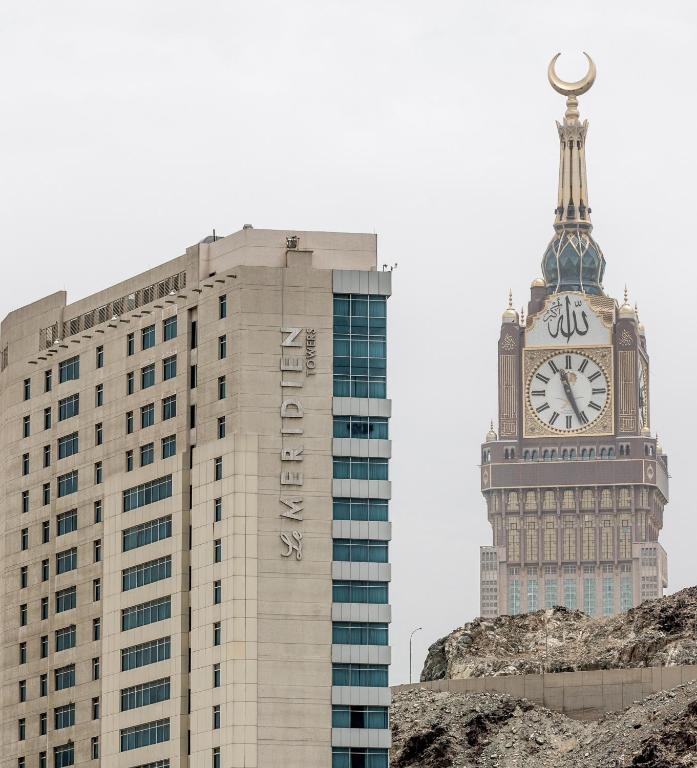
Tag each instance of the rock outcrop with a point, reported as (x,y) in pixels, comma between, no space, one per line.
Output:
(657,633)
(449,730)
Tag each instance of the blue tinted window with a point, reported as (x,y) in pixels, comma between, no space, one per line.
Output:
(364,675)
(359,757)
(361,427)
(373,510)
(359,633)
(147,493)
(69,369)
(360,468)
(146,533)
(67,483)
(375,592)
(68,406)
(147,337)
(360,551)
(360,346)
(359,716)
(169,328)
(147,376)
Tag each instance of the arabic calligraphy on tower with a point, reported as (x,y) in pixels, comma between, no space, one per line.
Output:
(567,319)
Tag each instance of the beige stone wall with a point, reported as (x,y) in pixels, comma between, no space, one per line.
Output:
(583,695)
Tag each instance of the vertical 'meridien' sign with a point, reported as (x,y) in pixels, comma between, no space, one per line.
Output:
(294,367)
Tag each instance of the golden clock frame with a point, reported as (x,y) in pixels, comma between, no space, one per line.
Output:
(603,357)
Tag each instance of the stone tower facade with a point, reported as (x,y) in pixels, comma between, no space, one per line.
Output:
(574,479)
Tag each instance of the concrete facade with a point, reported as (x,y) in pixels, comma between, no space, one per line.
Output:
(582,695)
(229,446)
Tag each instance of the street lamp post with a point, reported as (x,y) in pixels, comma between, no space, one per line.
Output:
(410,637)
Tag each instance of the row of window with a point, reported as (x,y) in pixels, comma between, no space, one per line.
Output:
(69,407)
(69,369)
(147,374)
(63,717)
(360,551)
(143,694)
(359,633)
(147,413)
(360,468)
(359,757)
(146,613)
(144,735)
(65,637)
(146,573)
(375,427)
(361,675)
(147,493)
(66,522)
(143,654)
(375,592)
(345,716)
(370,510)
(146,533)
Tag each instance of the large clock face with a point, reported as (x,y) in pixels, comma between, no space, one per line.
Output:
(568,392)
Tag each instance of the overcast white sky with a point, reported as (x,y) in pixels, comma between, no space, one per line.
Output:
(130,129)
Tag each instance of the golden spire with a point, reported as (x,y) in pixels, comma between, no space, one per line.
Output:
(626,309)
(509,314)
(572,200)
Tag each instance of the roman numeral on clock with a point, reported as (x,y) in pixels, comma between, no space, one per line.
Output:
(553,366)
(542,378)
(583,365)
(594,376)
(568,361)
(594,406)
(542,407)
(553,418)
(583,418)
(568,422)
(537,393)
(599,391)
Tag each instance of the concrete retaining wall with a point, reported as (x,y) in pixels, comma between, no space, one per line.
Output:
(582,695)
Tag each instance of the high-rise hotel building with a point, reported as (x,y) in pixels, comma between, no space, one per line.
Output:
(195,496)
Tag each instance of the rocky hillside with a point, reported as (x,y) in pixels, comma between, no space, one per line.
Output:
(450,730)
(656,633)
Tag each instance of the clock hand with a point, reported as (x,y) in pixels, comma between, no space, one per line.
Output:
(569,394)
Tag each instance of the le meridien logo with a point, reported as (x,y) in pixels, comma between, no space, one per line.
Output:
(294,367)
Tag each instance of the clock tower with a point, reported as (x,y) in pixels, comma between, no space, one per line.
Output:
(574,479)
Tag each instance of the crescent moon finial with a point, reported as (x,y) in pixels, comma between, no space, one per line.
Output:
(571,89)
